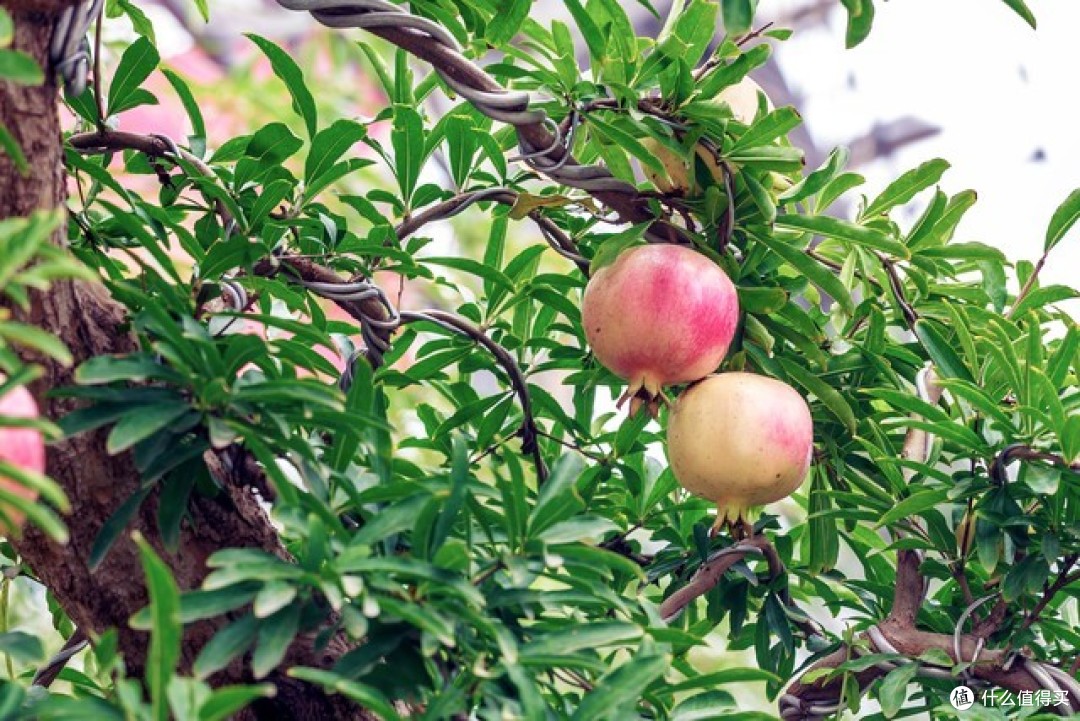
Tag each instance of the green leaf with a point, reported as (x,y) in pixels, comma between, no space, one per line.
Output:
(1021,9)
(558,496)
(273,597)
(191,105)
(913,505)
(10,146)
(725,676)
(367,696)
(473,267)
(459,484)
(781,158)
(407,137)
(941,351)
(593,37)
(504,26)
(141,422)
(203,7)
(940,231)
(738,15)
(226,701)
(1063,220)
(893,691)
(29,336)
(39,483)
(860,19)
(582,637)
(273,143)
(22,648)
(136,64)
(691,33)
(620,687)
(615,135)
(136,368)
(290,73)
(116,524)
(140,23)
(817,180)
(328,146)
(275,635)
(19,68)
(844,230)
(227,644)
(166,629)
(612,246)
(7,29)
(1038,298)
(906,187)
(762,300)
(829,396)
(818,274)
(768,128)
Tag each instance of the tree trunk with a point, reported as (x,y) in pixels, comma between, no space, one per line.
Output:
(90,323)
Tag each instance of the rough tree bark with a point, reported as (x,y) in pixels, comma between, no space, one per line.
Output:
(90,323)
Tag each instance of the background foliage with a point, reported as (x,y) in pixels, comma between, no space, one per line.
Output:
(410,498)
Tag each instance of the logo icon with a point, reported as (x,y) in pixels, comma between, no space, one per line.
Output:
(962,698)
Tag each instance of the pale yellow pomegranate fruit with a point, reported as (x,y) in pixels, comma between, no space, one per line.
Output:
(740,440)
(742,99)
(660,314)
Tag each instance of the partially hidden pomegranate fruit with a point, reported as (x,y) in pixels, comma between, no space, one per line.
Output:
(23,448)
(741,440)
(660,314)
(742,99)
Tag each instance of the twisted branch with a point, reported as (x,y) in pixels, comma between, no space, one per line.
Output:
(814,696)
(540,139)
(560,242)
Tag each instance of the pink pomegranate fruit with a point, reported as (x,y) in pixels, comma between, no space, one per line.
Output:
(740,440)
(23,448)
(660,314)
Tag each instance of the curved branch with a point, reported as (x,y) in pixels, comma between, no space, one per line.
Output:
(159,146)
(710,573)
(539,137)
(457,324)
(1023,452)
(553,234)
(713,570)
(153,146)
(898,633)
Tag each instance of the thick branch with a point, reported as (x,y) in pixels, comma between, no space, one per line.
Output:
(90,323)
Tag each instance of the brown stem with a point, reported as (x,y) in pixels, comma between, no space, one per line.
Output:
(99,89)
(908,311)
(153,146)
(1064,578)
(1032,279)
(1022,452)
(553,234)
(630,207)
(712,571)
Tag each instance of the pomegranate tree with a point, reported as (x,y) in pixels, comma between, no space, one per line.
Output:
(23,448)
(660,314)
(741,440)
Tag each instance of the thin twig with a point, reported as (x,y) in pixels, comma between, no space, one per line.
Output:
(1032,279)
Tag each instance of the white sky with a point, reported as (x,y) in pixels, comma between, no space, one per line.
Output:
(998,90)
